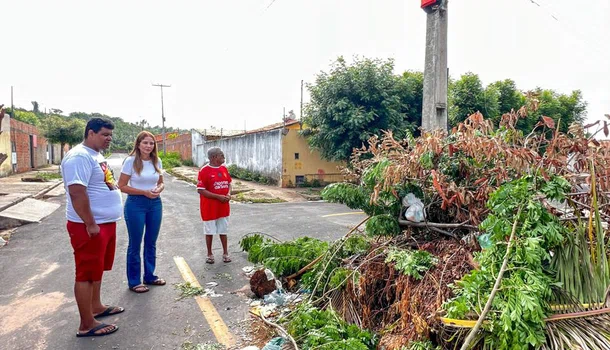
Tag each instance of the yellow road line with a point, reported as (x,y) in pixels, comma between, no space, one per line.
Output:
(341,214)
(218,326)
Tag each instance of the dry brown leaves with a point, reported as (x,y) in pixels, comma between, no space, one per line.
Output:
(472,160)
(403,308)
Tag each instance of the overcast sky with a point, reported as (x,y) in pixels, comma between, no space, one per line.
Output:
(236,61)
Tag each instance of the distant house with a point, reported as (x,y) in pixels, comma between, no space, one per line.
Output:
(277,151)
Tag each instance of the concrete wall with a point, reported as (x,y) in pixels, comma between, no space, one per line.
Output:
(260,152)
(5,145)
(309,164)
(176,143)
(197,140)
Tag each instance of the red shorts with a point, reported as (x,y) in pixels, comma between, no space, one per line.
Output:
(92,255)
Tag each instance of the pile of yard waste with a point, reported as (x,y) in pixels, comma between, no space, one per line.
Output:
(477,238)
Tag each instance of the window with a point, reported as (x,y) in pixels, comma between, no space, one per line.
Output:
(299,179)
(296,156)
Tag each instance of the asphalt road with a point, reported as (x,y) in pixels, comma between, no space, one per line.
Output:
(37,307)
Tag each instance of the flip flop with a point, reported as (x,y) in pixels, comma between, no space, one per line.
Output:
(111,310)
(91,332)
(157,282)
(139,289)
(226,258)
(210,260)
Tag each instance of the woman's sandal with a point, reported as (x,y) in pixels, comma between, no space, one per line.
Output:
(140,288)
(210,259)
(157,282)
(226,258)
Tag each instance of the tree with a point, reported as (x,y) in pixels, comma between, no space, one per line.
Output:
(64,131)
(26,117)
(411,92)
(351,103)
(467,96)
(35,106)
(509,97)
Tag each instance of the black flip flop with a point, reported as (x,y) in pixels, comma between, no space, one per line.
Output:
(92,331)
(140,288)
(110,311)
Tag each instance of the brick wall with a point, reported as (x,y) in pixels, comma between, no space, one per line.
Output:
(20,137)
(180,144)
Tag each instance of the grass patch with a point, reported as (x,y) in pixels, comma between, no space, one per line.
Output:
(188,345)
(242,198)
(180,176)
(46,176)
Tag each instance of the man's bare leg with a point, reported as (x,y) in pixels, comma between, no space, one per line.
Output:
(223,240)
(83,293)
(208,243)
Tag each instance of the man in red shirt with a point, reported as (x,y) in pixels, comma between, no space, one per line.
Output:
(214,187)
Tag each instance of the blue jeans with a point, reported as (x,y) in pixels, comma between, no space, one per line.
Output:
(143,218)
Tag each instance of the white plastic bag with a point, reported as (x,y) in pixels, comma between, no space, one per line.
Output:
(415,208)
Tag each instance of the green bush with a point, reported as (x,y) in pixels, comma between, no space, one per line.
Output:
(188,162)
(171,160)
(245,174)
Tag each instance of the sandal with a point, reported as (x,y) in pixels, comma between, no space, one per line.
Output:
(111,310)
(210,259)
(157,282)
(226,258)
(91,332)
(140,288)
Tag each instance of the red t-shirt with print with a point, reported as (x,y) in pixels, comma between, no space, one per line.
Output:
(215,180)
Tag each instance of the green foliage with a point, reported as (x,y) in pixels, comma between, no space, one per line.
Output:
(516,320)
(355,244)
(247,175)
(188,162)
(26,117)
(63,131)
(413,263)
(46,176)
(355,101)
(421,345)
(187,290)
(382,225)
(340,276)
(313,328)
(171,160)
(467,96)
(284,258)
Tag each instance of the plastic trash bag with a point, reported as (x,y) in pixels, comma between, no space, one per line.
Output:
(415,208)
(275,344)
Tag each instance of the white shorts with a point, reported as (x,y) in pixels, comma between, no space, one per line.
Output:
(216,227)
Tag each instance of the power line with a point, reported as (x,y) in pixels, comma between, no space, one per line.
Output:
(580,35)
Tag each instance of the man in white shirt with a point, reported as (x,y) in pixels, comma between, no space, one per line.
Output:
(93,206)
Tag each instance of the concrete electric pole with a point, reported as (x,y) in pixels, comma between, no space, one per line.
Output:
(434,113)
(162,113)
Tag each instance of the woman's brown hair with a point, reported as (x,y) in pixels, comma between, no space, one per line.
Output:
(137,163)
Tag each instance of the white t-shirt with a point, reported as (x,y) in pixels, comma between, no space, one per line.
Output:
(84,166)
(148,177)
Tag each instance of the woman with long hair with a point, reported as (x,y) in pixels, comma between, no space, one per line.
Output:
(142,180)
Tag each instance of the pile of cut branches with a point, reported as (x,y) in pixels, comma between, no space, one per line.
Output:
(403,275)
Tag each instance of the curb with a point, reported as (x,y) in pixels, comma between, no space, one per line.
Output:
(46,190)
(35,196)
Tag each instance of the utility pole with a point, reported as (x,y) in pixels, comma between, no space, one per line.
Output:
(434,111)
(301,116)
(162,113)
(12,115)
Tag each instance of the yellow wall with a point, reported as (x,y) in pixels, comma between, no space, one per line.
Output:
(5,146)
(309,163)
